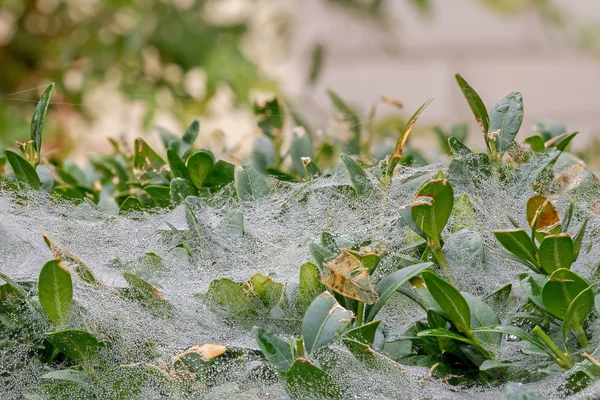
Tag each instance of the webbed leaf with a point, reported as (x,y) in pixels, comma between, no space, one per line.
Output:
(348,276)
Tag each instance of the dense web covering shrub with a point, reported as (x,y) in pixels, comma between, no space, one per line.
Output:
(183,276)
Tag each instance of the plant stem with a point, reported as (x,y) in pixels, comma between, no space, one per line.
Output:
(359,313)
(580,335)
(436,247)
(563,359)
(300,347)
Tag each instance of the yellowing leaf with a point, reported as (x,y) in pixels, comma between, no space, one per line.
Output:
(349,277)
(542,215)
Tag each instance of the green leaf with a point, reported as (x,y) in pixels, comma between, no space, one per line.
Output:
(146,161)
(530,170)
(301,147)
(130,204)
(374,360)
(518,242)
(450,300)
(189,138)
(177,165)
(556,252)
(310,286)
(536,142)
(505,121)
(350,117)
(560,291)
(68,375)
(46,177)
(532,286)
(483,315)
(146,293)
(578,310)
(39,115)
(180,189)
(307,381)
(499,298)
(324,321)
(358,177)
(399,148)
(518,391)
(579,239)
(55,291)
(78,345)
(231,297)
(276,350)
(364,333)
(23,170)
(269,292)
(432,206)
(445,333)
(476,105)
(160,194)
(386,287)
(250,184)
(200,165)
(518,332)
(562,141)
(311,169)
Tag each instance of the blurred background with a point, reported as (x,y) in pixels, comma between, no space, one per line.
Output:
(125,67)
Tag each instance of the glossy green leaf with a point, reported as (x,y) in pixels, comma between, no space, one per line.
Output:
(476,105)
(75,344)
(23,170)
(310,286)
(450,300)
(560,291)
(250,184)
(581,306)
(55,291)
(177,165)
(388,285)
(307,381)
(505,121)
(482,315)
(365,333)
(556,252)
(536,142)
(39,115)
(518,242)
(276,350)
(432,206)
(200,165)
(445,333)
(358,176)
(324,321)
